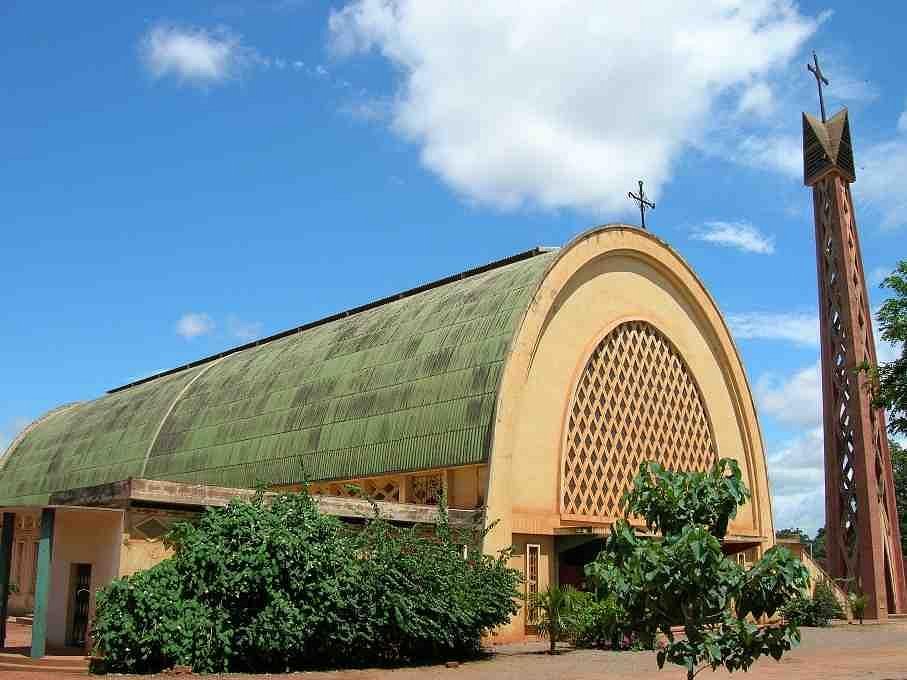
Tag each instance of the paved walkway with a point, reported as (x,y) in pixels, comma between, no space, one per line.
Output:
(869,652)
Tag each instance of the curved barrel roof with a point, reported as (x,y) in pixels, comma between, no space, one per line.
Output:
(409,383)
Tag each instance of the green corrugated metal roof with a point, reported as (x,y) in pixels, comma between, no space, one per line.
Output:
(405,385)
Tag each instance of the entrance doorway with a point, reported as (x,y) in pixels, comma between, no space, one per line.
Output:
(574,553)
(79,602)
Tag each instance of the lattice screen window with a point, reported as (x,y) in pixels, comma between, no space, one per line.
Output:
(152,528)
(636,401)
(378,489)
(427,489)
(532,583)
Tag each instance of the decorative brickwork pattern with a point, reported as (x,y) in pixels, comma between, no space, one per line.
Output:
(152,529)
(378,489)
(427,489)
(863,542)
(635,401)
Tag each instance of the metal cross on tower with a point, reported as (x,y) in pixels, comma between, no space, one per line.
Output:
(643,203)
(820,80)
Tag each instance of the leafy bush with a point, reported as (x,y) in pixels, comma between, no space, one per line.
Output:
(814,611)
(803,611)
(685,579)
(826,602)
(601,623)
(263,588)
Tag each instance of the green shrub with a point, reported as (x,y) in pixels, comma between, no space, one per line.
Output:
(858,603)
(826,602)
(601,624)
(802,611)
(814,611)
(266,588)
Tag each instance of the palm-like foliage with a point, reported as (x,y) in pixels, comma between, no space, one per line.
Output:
(556,612)
(858,602)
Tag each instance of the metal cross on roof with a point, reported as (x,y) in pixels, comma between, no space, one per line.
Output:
(643,203)
(820,80)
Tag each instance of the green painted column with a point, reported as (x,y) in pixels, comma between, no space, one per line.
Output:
(42,584)
(6,560)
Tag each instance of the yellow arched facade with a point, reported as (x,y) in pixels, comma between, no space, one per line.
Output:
(617,290)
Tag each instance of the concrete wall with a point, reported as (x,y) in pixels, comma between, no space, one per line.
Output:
(81,536)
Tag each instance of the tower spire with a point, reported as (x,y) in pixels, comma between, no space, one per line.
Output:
(863,538)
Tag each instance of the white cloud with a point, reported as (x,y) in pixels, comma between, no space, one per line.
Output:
(774,152)
(796,400)
(902,122)
(541,106)
(244,330)
(758,100)
(194,324)
(881,171)
(193,55)
(797,475)
(740,235)
(799,328)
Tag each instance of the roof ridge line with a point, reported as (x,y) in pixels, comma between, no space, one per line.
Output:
(475,271)
(160,427)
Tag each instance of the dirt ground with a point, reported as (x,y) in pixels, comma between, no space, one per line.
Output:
(869,652)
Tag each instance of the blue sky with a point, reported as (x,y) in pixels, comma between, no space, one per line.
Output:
(179,179)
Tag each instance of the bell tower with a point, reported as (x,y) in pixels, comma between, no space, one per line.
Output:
(863,539)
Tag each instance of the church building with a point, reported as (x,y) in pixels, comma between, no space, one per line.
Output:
(526,391)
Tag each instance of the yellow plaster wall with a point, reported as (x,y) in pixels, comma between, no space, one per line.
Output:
(81,536)
(547,575)
(466,487)
(606,277)
(140,552)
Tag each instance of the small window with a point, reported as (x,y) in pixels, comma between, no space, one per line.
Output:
(532,582)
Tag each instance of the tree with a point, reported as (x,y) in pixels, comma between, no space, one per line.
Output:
(890,383)
(794,533)
(555,609)
(685,579)
(891,377)
(899,468)
(818,544)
